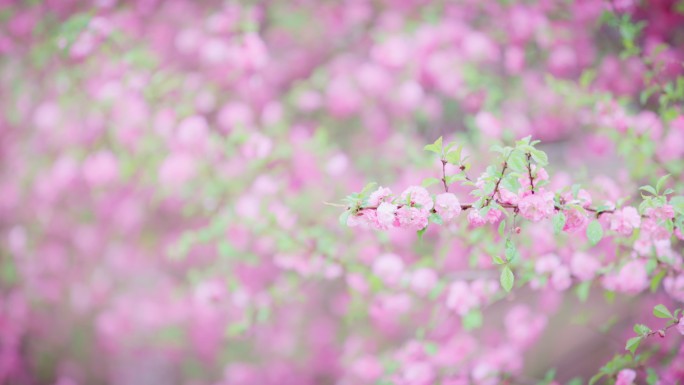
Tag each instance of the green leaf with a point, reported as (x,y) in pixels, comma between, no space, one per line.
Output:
(367,189)
(655,281)
(511,251)
(435,218)
(661,182)
(558,222)
(540,157)
(649,189)
(502,228)
(472,320)
(427,182)
(651,377)
(435,147)
(507,279)
(582,290)
(575,381)
(344,217)
(517,161)
(641,329)
(421,232)
(594,232)
(454,178)
(633,344)
(596,377)
(454,156)
(661,311)
(498,260)
(677,204)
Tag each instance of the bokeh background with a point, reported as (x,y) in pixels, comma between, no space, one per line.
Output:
(165,168)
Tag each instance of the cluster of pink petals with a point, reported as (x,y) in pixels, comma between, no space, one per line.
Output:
(537,206)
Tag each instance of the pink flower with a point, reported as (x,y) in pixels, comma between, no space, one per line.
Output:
(460,298)
(626,377)
(386,214)
(560,279)
(101,168)
(382,194)
(475,219)
(574,220)
(447,206)
(419,197)
(423,280)
(663,212)
(625,220)
(632,278)
(680,327)
(583,266)
(536,207)
(389,268)
(412,218)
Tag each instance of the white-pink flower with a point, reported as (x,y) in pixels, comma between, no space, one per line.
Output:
(386,214)
(625,220)
(419,196)
(536,207)
(447,206)
(382,194)
(584,266)
(412,218)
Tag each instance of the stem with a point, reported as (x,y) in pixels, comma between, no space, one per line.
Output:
(529,171)
(446,186)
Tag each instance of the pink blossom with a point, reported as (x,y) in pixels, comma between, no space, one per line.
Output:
(460,298)
(418,196)
(626,377)
(536,207)
(574,220)
(625,220)
(632,278)
(447,206)
(584,266)
(423,280)
(412,218)
(680,327)
(382,194)
(560,279)
(101,168)
(389,268)
(386,214)
(663,212)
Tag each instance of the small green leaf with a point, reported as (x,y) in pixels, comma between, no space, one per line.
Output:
(421,232)
(502,228)
(435,218)
(596,377)
(677,204)
(507,279)
(344,217)
(641,329)
(435,147)
(427,182)
(540,157)
(661,311)
(498,260)
(558,222)
(594,232)
(661,182)
(511,251)
(472,320)
(582,290)
(517,161)
(649,189)
(652,376)
(655,281)
(633,344)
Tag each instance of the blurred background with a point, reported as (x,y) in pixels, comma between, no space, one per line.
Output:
(164,168)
